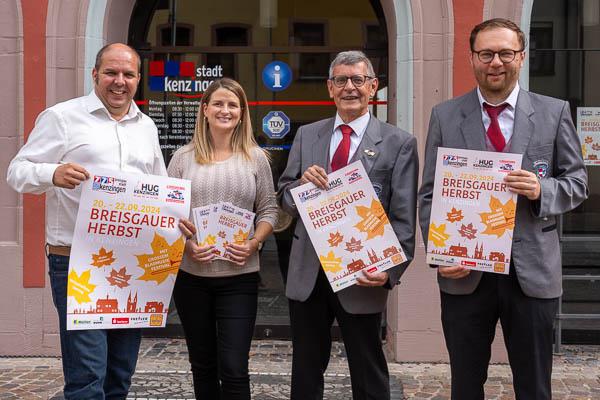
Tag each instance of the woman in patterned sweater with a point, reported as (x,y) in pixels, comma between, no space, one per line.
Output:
(217,299)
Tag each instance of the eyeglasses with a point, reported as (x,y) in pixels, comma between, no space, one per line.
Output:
(506,55)
(357,80)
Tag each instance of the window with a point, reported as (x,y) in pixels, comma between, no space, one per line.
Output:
(311,66)
(184,35)
(227,35)
(541,55)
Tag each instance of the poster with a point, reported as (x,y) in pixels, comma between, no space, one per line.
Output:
(472,212)
(347,226)
(588,129)
(221,224)
(202,216)
(127,248)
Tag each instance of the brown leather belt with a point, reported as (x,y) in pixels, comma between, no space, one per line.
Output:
(59,250)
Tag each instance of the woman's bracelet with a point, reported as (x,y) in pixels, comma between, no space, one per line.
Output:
(260,243)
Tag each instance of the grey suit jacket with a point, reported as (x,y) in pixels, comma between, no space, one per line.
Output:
(392,165)
(544,134)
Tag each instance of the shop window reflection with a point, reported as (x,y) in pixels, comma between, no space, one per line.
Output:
(228,35)
(311,66)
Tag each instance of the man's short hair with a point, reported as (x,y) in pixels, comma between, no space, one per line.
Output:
(350,58)
(107,47)
(497,23)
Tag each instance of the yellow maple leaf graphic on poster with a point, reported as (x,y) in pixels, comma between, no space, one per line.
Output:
(500,218)
(103,258)
(240,237)
(331,263)
(79,286)
(209,240)
(373,219)
(163,261)
(437,235)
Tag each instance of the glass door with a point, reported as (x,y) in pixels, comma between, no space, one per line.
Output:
(564,59)
(280,52)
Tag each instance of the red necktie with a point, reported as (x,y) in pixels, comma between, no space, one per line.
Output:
(340,157)
(494,132)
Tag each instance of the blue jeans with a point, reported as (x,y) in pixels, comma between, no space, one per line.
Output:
(97,364)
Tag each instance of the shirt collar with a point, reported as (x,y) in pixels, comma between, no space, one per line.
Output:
(359,125)
(93,104)
(511,100)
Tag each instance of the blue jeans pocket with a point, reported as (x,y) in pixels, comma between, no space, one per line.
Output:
(58,270)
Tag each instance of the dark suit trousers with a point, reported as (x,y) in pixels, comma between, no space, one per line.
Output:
(311,334)
(469,323)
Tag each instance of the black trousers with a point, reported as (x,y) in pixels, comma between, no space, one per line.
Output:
(218,315)
(469,323)
(311,334)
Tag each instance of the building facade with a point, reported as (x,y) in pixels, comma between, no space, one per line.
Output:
(421,54)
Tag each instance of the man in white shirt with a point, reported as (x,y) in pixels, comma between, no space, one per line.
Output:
(103,129)
(499,116)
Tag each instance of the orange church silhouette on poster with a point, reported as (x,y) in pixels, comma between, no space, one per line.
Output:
(463,251)
(111,306)
(357,265)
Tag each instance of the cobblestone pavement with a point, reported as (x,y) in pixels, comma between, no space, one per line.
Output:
(163,373)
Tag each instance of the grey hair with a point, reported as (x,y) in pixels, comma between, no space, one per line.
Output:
(350,58)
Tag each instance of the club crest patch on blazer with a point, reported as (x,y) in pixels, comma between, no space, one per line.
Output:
(541,168)
(378,188)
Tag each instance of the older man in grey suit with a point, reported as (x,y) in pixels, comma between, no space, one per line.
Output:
(499,116)
(390,159)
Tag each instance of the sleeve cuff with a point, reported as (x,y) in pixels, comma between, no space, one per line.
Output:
(46,173)
(536,206)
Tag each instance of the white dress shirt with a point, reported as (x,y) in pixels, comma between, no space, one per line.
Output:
(81,131)
(359,126)
(506,119)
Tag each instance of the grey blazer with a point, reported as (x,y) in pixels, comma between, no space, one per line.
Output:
(545,135)
(392,165)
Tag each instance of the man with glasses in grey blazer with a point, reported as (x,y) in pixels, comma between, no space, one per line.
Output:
(500,116)
(389,156)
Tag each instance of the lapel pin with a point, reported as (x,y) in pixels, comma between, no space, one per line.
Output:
(369,152)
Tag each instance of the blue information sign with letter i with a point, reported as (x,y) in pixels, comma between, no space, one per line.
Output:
(276,124)
(277,76)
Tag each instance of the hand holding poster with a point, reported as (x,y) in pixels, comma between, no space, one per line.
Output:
(221,224)
(347,226)
(126,250)
(232,225)
(202,217)
(472,212)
